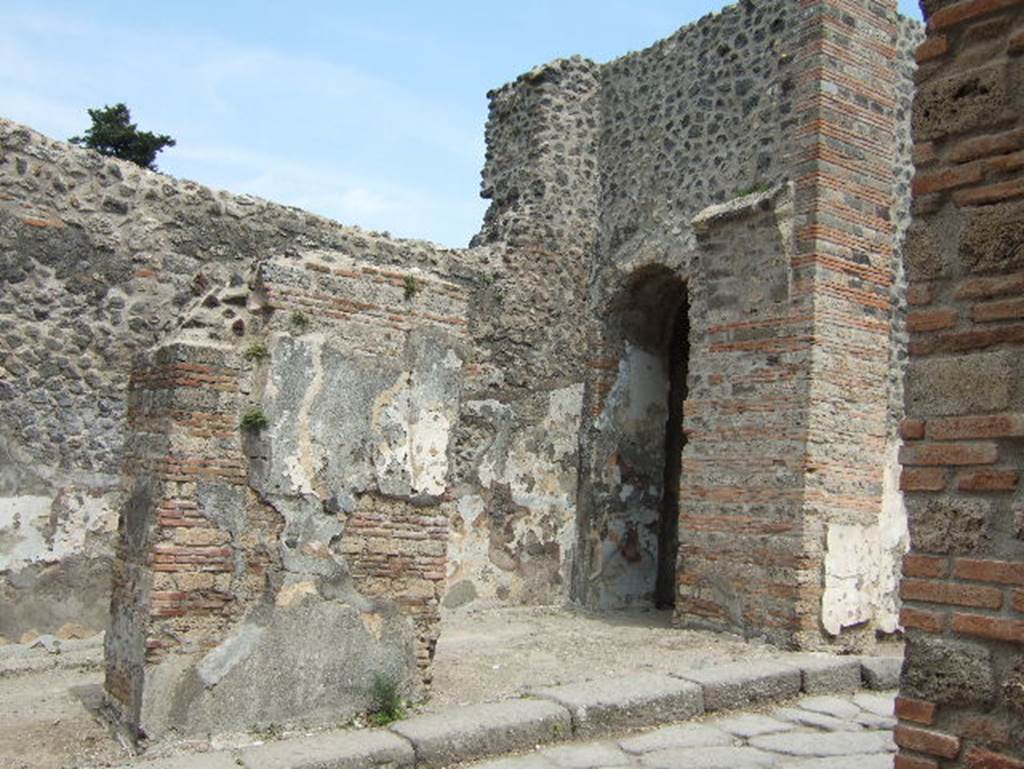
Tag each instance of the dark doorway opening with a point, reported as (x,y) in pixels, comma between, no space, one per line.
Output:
(678,355)
(631,468)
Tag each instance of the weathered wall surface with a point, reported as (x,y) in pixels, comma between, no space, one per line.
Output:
(847,230)
(99,260)
(699,118)
(962,689)
(513,534)
(745,101)
(751,168)
(331,518)
(742,562)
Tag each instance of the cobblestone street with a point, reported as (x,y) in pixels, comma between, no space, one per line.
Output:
(845,732)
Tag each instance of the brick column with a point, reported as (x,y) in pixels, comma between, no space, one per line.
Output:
(845,153)
(174,576)
(962,690)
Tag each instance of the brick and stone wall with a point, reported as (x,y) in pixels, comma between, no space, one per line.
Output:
(100,260)
(753,167)
(493,425)
(962,689)
(284,537)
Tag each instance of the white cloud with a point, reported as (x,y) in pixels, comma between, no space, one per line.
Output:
(289,127)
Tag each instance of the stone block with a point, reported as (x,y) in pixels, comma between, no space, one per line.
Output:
(944,525)
(993,238)
(484,730)
(949,672)
(218,760)
(616,704)
(743,683)
(966,384)
(825,673)
(332,750)
(708,758)
(881,673)
(961,102)
(679,736)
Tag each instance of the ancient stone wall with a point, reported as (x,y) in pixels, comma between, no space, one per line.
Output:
(100,260)
(287,513)
(846,232)
(962,689)
(683,310)
(516,447)
(698,118)
(757,99)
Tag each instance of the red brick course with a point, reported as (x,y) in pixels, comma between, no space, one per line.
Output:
(927,741)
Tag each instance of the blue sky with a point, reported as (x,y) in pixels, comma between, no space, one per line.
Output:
(368,112)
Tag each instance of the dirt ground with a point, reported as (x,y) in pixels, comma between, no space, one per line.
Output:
(47,703)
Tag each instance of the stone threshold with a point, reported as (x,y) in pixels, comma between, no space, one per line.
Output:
(555,714)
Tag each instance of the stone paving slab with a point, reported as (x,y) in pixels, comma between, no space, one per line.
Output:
(860,761)
(836,707)
(490,729)
(826,673)
(751,725)
(678,736)
(218,760)
(332,750)
(881,673)
(825,744)
(877,704)
(606,755)
(617,704)
(738,741)
(742,684)
(708,758)
(818,720)
(532,761)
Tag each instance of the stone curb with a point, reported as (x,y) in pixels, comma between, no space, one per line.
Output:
(559,714)
(618,704)
(484,730)
(727,687)
(334,750)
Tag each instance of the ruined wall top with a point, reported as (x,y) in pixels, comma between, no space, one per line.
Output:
(618,157)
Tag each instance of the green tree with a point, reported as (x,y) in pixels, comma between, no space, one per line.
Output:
(112,133)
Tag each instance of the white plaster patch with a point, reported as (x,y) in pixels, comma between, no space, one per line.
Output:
(894,542)
(640,387)
(412,432)
(21,522)
(863,563)
(41,529)
(536,478)
(304,466)
(429,452)
(851,568)
(539,469)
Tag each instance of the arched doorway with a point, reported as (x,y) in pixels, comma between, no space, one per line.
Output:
(632,447)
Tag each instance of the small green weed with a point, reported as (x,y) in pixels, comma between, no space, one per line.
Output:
(254,420)
(410,287)
(388,706)
(299,321)
(256,352)
(751,189)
